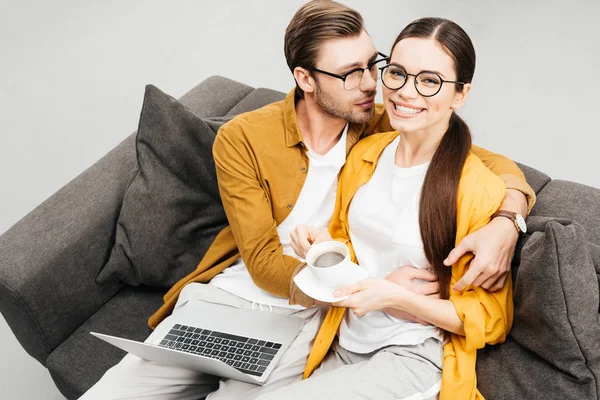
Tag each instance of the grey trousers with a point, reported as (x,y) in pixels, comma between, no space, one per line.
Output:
(395,372)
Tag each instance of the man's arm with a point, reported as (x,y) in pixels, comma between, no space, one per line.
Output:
(513,178)
(494,244)
(248,208)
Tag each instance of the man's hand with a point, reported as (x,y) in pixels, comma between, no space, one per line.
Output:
(493,247)
(304,236)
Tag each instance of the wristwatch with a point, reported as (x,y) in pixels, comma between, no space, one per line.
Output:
(516,218)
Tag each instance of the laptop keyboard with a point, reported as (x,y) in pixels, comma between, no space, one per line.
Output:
(249,355)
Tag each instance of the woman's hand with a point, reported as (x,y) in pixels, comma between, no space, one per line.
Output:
(304,236)
(370,294)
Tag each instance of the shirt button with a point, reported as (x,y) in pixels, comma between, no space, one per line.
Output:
(303,169)
(289,206)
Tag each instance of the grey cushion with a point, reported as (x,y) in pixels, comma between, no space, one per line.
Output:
(553,351)
(171,211)
(81,360)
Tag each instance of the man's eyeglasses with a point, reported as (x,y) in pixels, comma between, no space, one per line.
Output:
(353,78)
(427,83)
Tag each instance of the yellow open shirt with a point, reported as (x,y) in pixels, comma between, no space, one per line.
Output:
(487,317)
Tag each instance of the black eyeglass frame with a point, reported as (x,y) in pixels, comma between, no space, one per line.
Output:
(442,80)
(345,76)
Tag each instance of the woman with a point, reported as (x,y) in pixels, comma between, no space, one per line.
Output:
(408,197)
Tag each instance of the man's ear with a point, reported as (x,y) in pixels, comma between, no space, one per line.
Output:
(461,97)
(304,80)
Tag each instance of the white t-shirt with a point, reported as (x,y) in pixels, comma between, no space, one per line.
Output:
(314,207)
(384,229)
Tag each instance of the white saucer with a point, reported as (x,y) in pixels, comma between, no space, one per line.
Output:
(310,285)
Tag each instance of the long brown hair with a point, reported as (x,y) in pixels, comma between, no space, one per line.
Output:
(438,203)
(314,23)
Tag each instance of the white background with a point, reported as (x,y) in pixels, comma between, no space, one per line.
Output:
(72,76)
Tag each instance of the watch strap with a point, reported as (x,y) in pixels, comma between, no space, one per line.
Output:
(510,215)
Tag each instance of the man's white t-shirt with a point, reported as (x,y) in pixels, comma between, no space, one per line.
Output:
(385,234)
(314,207)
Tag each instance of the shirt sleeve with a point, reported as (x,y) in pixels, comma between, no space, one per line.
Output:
(487,316)
(508,171)
(248,208)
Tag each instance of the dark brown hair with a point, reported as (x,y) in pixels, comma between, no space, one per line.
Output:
(314,23)
(438,204)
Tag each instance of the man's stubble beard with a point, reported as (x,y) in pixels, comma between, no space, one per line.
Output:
(332,106)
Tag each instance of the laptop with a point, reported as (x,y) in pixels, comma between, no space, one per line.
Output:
(219,340)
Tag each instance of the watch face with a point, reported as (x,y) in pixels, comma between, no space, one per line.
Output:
(521,223)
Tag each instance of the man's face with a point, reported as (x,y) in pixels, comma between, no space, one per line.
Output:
(340,56)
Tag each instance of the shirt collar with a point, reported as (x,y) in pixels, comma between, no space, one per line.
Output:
(293,136)
(374,151)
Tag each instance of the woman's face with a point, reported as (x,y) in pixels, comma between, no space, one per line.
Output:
(408,110)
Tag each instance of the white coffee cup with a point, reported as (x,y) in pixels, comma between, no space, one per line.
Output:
(329,262)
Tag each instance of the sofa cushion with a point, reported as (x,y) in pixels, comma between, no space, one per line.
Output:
(81,360)
(171,210)
(553,351)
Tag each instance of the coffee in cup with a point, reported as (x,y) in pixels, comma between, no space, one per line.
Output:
(329,262)
(328,259)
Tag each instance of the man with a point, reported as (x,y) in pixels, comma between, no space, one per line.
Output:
(277,168)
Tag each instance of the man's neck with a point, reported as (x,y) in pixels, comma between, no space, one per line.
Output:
(320,130)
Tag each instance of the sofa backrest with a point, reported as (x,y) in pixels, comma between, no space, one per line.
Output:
(220,97)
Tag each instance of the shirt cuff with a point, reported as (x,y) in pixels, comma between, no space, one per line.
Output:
(297,296)
(518,183)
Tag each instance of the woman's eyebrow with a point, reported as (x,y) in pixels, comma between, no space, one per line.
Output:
(435,72)
(425,70)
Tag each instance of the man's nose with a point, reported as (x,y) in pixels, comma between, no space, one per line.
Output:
(368,83)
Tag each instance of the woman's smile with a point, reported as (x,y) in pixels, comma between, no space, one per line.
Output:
(405,110)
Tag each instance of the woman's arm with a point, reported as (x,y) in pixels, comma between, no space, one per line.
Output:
(373,294)
(438,312)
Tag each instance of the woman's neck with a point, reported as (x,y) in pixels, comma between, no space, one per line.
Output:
(418,147)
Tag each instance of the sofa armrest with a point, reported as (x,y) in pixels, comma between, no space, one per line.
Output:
(49,260)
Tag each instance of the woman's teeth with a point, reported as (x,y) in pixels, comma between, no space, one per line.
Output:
(408,110)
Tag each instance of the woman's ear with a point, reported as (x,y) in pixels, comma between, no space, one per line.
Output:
(461,97)
(304,80)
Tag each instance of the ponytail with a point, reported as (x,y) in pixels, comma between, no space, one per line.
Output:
(438,203)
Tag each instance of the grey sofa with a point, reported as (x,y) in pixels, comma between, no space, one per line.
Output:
(49,260)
